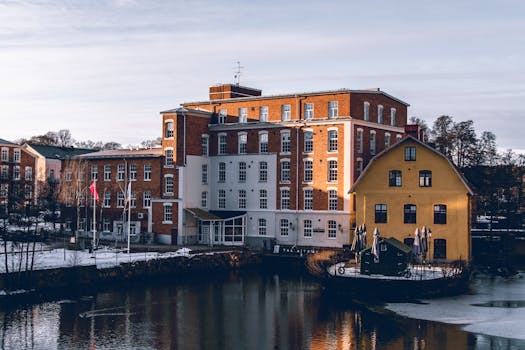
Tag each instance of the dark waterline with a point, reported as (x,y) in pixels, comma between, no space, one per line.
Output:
(239,311)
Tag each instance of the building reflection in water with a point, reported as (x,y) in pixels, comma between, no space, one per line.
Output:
(249,311)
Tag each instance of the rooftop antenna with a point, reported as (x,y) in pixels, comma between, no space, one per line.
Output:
(237,75)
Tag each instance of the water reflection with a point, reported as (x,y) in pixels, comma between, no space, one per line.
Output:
(249,311)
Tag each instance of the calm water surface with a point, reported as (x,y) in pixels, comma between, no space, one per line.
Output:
(239,311)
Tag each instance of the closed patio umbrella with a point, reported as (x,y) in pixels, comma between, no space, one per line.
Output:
(417,243)
(375,245)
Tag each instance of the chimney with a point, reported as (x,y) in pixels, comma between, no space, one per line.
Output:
(415,131)
(223,91)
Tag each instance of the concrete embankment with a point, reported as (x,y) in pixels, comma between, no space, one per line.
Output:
(78,277)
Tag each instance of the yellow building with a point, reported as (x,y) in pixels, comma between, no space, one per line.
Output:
(411,185)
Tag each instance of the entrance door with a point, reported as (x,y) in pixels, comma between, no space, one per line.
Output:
(174,236)
(204,234)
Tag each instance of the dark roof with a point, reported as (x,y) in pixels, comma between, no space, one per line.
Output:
(398,144)
(5,142)
(395,243)
(124,153)
(55,152)
(214,215)
(331,92)
(188,110)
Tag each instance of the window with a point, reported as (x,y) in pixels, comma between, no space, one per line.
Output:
(394,178)
(285,113)
(440,214)
(366,111)
(242,172)
(332,140)
(133,200)
(263,171)
(285,198)
(332,229)
(263,113)
(94,172)
(308,111)
(204,174)
(5,154)
(107,172)
(243,115)
(4,190)
(146,199)
(284,227)
(380,114)
(204,199)
(107,199)
(308,170)
(168,185)
(106,225)
(308,199)
(5,172)
(399,137)
(16,156)
(69,174)
(169,157)
(222,116)
(120,172)
(410,153)
(147,172)
(333,109)
(168,213)
(27,192)
(263,199)
(82,199)
(410,213)
(380,214)
(307,228)
(262,227)
(393,116)
(16,172)
(285,171)
(204,145)
(168,133)
(222,144)
(425,178)
(285,141)
(387,140)
(372,142)
(242,199)
(359,141)
(440,248)
(242,142)
(222,199)
(263,142)
(222,172)
(332,171)
(28,173)
(120,199)
(133,172)
(308,142)
(332,200)
(359,166)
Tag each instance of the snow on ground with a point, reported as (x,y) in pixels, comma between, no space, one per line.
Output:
(496,307)
(46,258)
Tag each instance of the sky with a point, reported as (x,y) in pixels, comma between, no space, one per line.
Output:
(104,69)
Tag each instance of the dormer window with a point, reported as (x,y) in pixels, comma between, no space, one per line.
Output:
(222,116)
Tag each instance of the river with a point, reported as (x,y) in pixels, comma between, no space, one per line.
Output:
(249,310)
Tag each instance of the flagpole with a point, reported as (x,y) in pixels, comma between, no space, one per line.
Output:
(94,213)
(129,216)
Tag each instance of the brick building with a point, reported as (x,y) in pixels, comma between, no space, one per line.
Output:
(17,177)
(251,169)
(113,171)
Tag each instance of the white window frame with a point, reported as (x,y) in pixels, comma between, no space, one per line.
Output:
(366,110)
(204,199)
(262,226)
(94,172)
(308,228)
(146,199)
(308,198)
(120,199)
(107,172)
(263,114)
(373,148)
(393,116)
(263,171)
(221,172)
(133,172)
(169,184)
(359,166)
(308,141)
(333,109)
(147,172)
(332,175)
(308,111)
(284,227)
(167,213)
(308,170)
(243,115)
(205,145)
(223,113)
(333,140)
(359,140)
(286,141)
(28,173)
(242,142)
(286,112)
(169,133)
(222,143)
(168,155)
(16,155)
(333,199)
(285,200)
(286,171)
(241,199)
(263,199)
(242,168)
(107,199)
(380,114)
(332,229)
(204,173)
(263,141)
(221,199)
(5,154)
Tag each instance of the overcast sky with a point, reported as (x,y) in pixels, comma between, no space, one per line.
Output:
(105,68)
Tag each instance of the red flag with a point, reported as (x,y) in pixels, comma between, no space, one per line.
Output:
(93,189)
